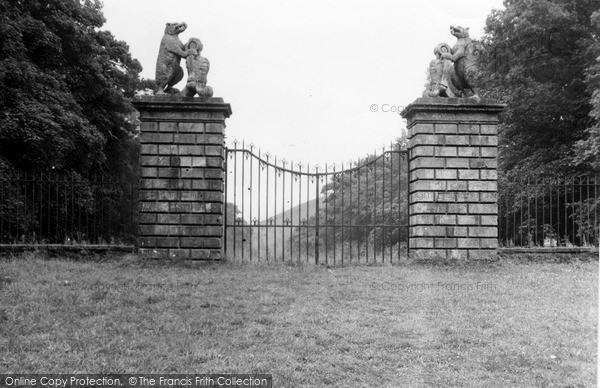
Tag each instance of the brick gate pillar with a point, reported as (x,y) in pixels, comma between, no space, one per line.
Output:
(453,149)
(181,189)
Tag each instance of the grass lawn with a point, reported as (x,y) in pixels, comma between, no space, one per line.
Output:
(494,325)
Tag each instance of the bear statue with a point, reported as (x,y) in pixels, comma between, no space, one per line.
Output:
(168,70)
(464,56)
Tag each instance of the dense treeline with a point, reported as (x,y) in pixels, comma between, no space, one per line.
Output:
(64,101)
(542,60)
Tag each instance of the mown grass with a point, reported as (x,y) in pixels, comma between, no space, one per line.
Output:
(511,325)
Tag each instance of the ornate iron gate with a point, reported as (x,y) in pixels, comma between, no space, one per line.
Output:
(280,211)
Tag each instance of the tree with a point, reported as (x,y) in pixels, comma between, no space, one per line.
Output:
(588,150)
(538,53)
(65,88)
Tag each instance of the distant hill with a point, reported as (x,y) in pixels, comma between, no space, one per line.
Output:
(305,213)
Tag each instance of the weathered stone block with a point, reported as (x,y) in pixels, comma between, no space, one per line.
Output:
(205,254)
(154,207)
(444,219)
(468,174)
(483,231)
(479,208)
(467,220)
(167,242)
(184,138)
(148,149)
(179,254)
(488,197)
(489,129)
(457,231)
(214,128)
(422,196)
(488,174)
(482,186)
(168,219)
(488,243)
(423,151)
(489,220)
(167,149)
(446,151)
(426,162)
(483,141)
(422,174)
(168,127)
(209,139)
(467,197)
(457,163)
(457,208)
(487,254)
(428,185)
(191,127)
(197,150)
(420,128)
(445,197)
(445,243)
(154,253)
(422,219)
(428,254)
(468,129)
(151,126)
(446,174)
(428,231)
(468,152)
(458,140)
(483,163)
(421,243)
(468,243)
(429,208)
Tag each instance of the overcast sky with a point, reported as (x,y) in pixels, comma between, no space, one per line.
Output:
(302,76)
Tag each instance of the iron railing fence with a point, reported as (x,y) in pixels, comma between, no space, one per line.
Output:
(66,208)
(281,211)
(550,212)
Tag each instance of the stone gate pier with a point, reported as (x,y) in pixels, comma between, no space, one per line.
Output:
(181,177)
(453,149)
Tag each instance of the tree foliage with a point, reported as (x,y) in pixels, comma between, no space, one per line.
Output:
(65,89)
(539,57)
(588,149)
(66,85)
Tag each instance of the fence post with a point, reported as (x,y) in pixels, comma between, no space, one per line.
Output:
(453,204)
(181,193)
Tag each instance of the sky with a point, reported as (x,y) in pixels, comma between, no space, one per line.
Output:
(311,81)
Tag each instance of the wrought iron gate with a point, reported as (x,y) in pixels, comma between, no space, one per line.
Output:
(280,211)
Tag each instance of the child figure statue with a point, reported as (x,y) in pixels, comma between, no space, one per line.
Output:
(440,74)
(197,67)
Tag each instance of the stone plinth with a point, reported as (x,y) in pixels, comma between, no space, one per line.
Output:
(181,189)
(453,207)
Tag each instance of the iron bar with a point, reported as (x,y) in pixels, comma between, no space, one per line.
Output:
(317,179)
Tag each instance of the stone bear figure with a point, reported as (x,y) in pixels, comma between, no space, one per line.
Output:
(168,71)
(464,55)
